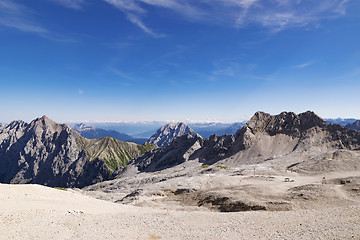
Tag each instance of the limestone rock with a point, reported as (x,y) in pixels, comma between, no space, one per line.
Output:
(167,133)
(48,153)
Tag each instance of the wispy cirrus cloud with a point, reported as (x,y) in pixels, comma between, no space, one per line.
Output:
(275,15)
(74,4)
(18,17)
(304,65)
(138,22)
(134,13)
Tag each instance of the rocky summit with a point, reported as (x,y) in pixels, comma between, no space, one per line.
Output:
(263,137)
(167,133)
(267,136)
(53,154)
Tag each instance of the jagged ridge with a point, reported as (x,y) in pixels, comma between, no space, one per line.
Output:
(167,133)
(53,154)
(263,136)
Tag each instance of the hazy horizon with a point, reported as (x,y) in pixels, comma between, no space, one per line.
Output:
(187,121)
(172,60)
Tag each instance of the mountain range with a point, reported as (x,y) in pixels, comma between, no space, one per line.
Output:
(139,131)
(355,125)
(340,121)
(53,154)
(91,132)
(263,137)
(205,130)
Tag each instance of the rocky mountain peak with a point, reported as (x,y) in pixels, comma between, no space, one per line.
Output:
(286,122)
(53,154)
(45,125)
(44,120)
(178,151)
(167,133)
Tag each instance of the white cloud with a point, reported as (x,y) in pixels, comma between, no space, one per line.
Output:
(276,15)
(134,13)
(138,22)
(304,65)
(126,6)
(74,4)
(18,17)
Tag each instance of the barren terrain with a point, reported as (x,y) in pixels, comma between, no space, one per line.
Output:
(303,208)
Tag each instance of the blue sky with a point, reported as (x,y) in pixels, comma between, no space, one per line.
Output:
(136,60)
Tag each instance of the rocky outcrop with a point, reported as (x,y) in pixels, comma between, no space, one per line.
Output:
(183,149)
(263,137)
(355,125)
(216,148)
(48,153)
(267,136)
(179,151)
(167,133)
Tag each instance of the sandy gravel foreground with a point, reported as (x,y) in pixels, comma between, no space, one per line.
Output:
(37,212)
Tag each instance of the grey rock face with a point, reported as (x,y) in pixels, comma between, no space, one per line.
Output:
(167,133)
(53,154)
(183,149)
(289,132)
(264,136)
(355,125)
(285,123)
(179,151)
(216,148)
(40,152)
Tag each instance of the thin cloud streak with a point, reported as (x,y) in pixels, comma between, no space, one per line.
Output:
(276,15)
(138,22)
(134,14)
(304,65)
(18,17)
(74,4)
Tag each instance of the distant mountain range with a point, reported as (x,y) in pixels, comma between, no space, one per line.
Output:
(92,132)
(354,125)
(138,132)
(341,121)
(207,129)
(134,129)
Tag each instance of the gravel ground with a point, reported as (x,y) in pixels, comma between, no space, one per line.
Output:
(36,212)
